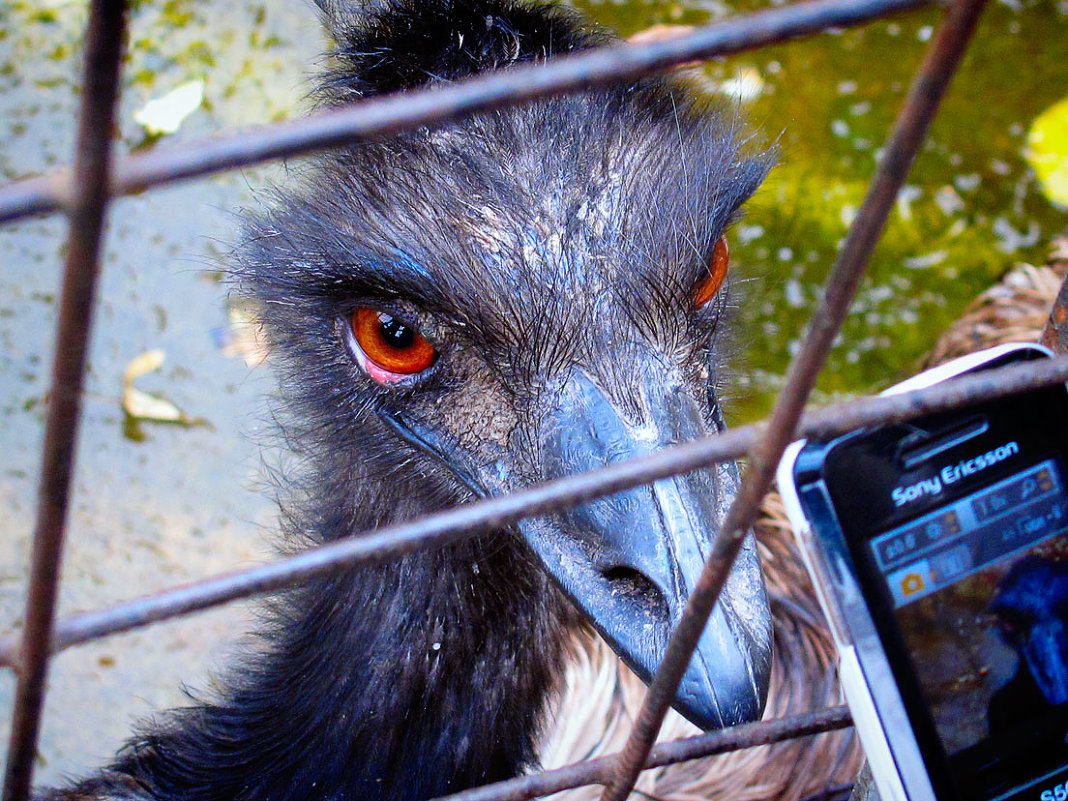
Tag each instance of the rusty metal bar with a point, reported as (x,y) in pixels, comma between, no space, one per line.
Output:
(483,93)
(103,53)
(465,521)
(597,771)
(910,129)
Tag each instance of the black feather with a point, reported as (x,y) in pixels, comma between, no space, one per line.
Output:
(521,242)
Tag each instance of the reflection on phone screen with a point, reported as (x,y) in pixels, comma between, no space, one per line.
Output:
(980,591)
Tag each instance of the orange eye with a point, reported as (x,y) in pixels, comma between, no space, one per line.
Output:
(717,271)
(390,348)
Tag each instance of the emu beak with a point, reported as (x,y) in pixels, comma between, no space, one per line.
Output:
(630,561)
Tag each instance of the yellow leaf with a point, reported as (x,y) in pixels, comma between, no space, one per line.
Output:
(1047,151)
(144,363)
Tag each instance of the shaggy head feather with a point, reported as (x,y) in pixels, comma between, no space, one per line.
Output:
(523,244)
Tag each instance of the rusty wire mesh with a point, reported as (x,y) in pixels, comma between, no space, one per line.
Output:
(83,194)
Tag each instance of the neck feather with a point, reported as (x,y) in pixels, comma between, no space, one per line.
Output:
(393,683)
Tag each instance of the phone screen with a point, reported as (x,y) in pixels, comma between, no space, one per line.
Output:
(979,590)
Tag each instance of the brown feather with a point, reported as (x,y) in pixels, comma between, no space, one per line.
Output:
(602,697)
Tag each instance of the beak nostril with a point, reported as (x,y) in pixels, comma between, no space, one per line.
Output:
(634,586)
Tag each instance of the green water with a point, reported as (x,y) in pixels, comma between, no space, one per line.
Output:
(180,503)
(971,208)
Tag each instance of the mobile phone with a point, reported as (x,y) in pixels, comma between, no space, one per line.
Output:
(939,550)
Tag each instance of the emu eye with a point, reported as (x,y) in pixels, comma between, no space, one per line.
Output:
(717,271)
(389,349)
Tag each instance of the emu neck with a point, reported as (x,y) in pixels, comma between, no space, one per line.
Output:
(406,681)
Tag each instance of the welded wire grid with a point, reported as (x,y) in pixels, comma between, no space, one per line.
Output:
(84,192)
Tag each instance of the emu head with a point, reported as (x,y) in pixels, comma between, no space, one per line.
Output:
(1032,609)
(501,301)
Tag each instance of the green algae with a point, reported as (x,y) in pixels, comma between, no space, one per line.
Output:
(972,205)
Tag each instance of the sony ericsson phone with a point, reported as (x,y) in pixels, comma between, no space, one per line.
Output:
(939,549)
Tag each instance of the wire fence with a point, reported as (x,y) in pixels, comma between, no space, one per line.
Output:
(83,194)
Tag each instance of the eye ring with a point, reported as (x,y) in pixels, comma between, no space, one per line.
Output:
(387,348)
(717,271)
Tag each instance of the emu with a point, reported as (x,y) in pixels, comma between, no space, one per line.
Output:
(1031,608)
(456,312)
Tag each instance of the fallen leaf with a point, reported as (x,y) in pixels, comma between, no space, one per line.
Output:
(165,114)
(243,337)
(144,363)
(746,85)
(142,405)
(150,407)
(661,33)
